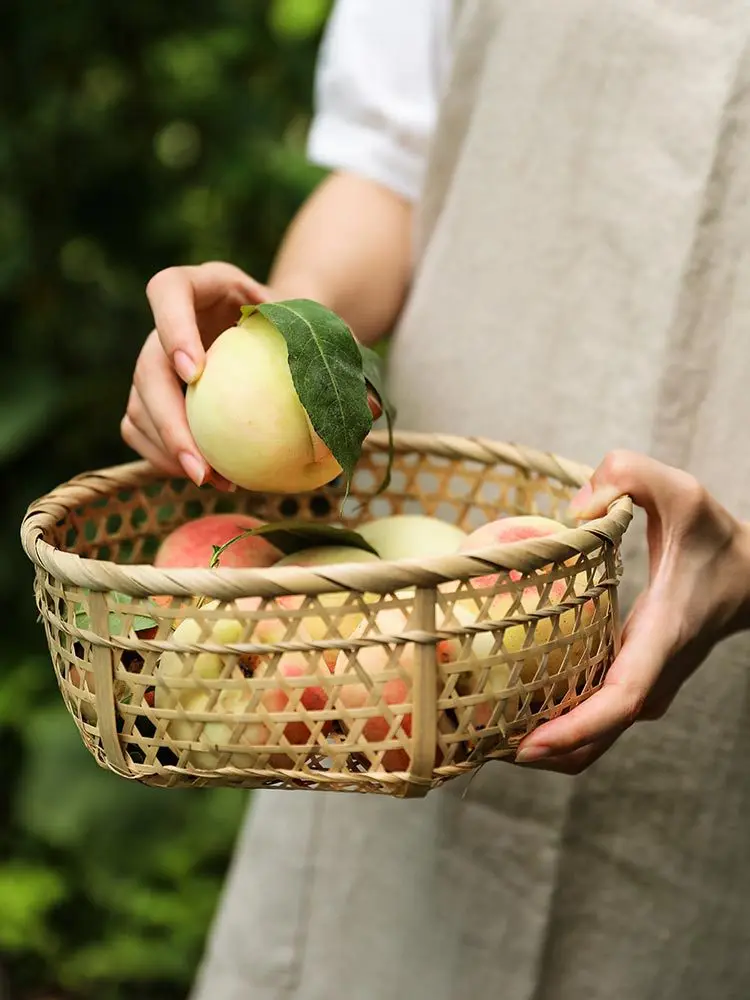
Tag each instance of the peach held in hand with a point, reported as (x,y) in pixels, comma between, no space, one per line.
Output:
(246,416)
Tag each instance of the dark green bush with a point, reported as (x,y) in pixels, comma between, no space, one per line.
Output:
(132,136)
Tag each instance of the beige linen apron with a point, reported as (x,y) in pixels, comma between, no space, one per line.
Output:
(582,283)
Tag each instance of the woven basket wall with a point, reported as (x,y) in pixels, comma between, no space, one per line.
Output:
(437,670)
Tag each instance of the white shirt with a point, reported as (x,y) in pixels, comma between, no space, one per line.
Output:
(381,69)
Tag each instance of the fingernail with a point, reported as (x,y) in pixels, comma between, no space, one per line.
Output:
(185,367)
(194,468)
(531,754)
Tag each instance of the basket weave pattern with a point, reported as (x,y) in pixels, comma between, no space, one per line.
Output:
(374,677)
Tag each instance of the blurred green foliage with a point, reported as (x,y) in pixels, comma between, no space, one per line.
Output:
(132,136)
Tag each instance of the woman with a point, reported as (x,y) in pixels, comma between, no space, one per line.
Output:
(549,203)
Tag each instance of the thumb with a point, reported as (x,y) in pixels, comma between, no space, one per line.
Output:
(650,484)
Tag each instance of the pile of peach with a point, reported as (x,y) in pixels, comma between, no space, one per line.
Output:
(359,670)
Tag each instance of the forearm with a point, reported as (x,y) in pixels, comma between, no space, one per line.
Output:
(349,247)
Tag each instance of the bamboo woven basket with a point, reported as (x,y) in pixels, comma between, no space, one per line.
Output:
(444,672)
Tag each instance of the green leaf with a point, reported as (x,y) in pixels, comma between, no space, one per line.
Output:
(117,622)
(372,367)
(327,372)
(294,536)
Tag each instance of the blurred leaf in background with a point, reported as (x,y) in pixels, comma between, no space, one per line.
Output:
(132,137)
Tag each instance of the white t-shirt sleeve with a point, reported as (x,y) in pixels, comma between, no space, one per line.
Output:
(381,67)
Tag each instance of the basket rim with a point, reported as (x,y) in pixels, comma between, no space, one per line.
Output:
(226,584)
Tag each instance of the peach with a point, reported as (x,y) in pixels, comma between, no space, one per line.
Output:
(476,650)
(192,543)
(514,637)
(411,536)
(246,416)
(514,529)
(395,691)
(328,555)
(317,627)
(505,530)
(274,698)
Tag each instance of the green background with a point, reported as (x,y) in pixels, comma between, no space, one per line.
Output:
(132,137)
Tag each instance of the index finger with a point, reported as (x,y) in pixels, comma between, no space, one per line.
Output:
(171,295)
